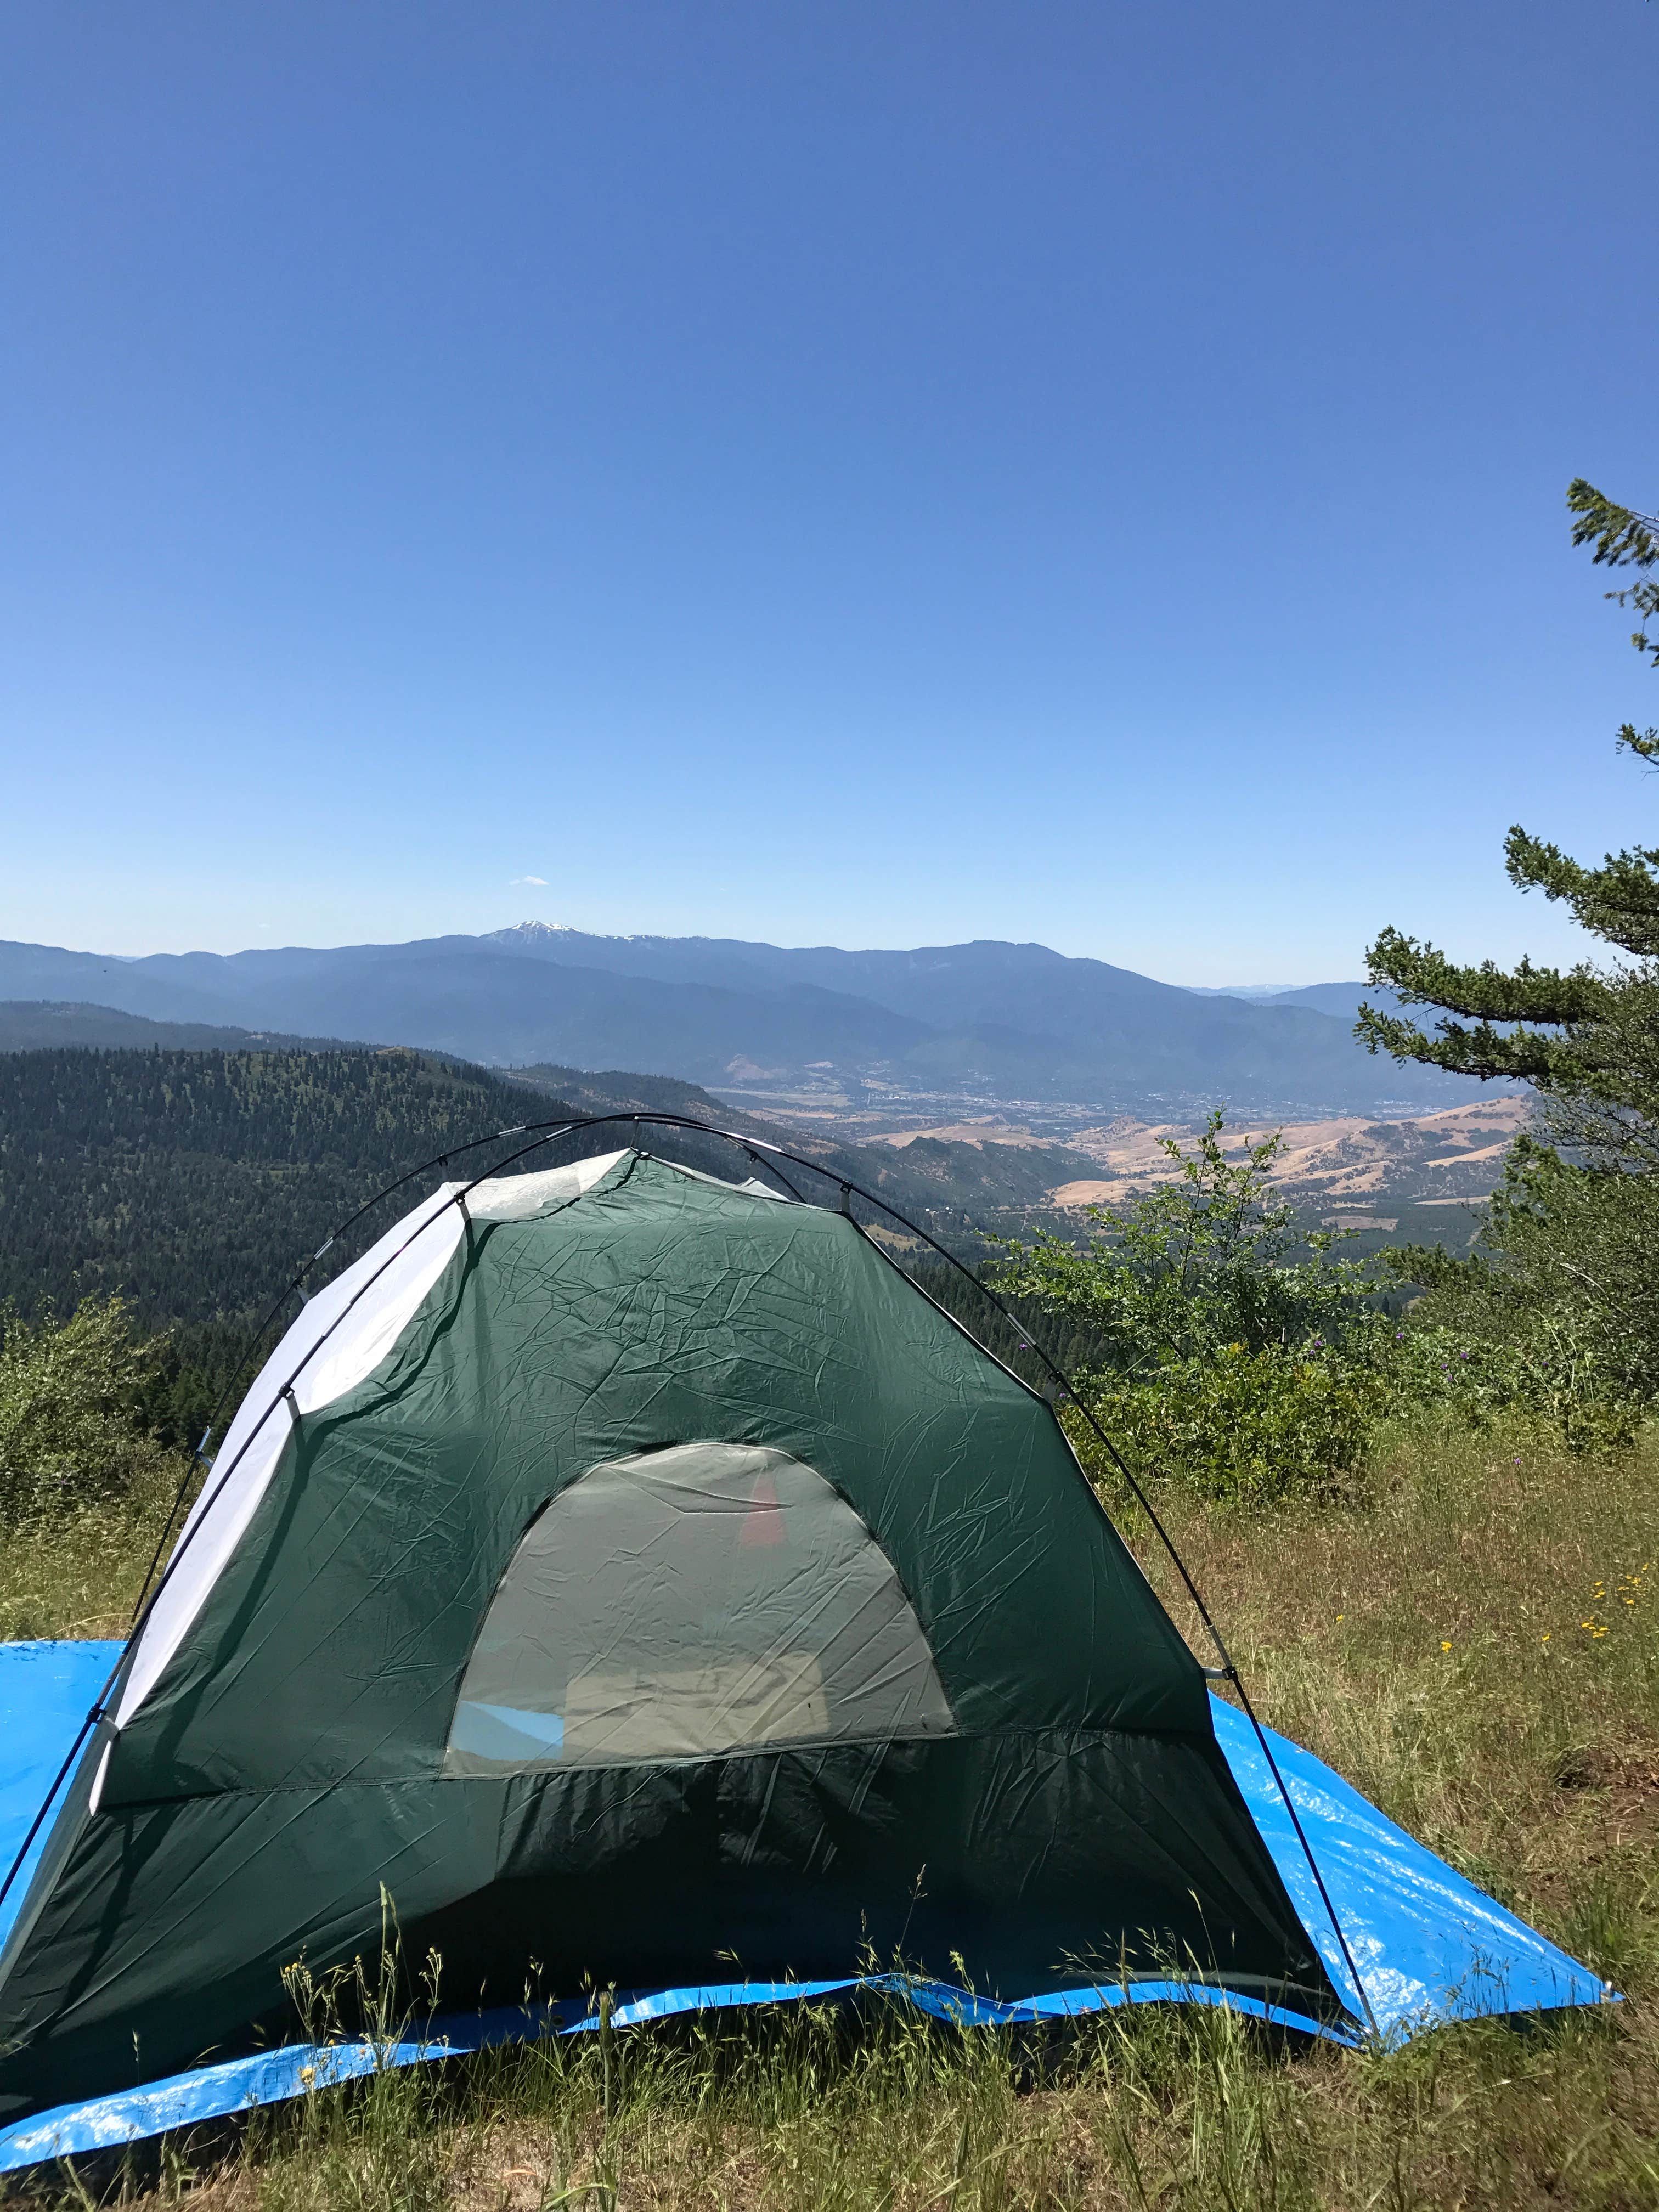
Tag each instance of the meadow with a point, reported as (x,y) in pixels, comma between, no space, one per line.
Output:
(1468,1634)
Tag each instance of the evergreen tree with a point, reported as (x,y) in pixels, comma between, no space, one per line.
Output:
(1588,1035)
(1564,1278)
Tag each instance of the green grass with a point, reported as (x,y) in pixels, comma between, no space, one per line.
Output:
(1427,1636)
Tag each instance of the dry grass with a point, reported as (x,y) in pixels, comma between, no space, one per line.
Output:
(1428,1639)
(1475,1643)
(76,1571)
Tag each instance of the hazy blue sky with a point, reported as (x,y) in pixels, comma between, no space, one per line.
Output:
(864,473)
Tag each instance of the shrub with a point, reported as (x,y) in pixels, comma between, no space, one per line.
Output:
(1239,1425)
(71,1397)
(1204,1262)
(1545,1371)
(1236,1348)
(1556,1312)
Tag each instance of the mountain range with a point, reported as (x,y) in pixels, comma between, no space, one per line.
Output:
(987,1021)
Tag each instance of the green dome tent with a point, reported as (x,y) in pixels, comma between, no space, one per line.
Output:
(635,1574)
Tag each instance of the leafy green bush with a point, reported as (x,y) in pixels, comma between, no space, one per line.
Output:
(71,1406)
(1242,1354)
(1541,1374)
(1238,1425)
(1195,1265)
(1556,1313)
(1228,1361)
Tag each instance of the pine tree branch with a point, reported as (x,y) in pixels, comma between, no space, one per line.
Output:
(1521,1057)
(1619,901)
(1420,976)
(1620,537)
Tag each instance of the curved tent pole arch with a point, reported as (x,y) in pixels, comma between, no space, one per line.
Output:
(764,1155)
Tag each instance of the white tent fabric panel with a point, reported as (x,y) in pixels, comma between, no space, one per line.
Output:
(521,1198)
(349,1341)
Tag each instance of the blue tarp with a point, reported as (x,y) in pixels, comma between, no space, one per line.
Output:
(46,1691)
(1430,1947)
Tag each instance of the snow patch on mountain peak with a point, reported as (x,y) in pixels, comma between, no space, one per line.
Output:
(534,933)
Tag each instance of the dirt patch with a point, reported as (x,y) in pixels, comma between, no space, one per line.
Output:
(1449,1158)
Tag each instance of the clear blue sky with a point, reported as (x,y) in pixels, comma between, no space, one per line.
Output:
(832,472)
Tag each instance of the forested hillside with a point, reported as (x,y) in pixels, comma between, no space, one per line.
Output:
(195,1182)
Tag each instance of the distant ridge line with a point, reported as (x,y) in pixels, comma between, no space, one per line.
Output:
(983,1021)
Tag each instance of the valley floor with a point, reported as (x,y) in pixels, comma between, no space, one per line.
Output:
(1425,1175)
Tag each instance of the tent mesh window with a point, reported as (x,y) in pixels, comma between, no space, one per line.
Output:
(685,1602)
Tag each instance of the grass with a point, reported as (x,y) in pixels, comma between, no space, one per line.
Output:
(1474,1643)
(1471,1640)
(77,1571)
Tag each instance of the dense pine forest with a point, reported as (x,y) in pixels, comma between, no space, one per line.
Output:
(193,1181)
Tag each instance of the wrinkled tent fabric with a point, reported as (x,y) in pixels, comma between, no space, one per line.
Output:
(1030,1779)
(1431,1948)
